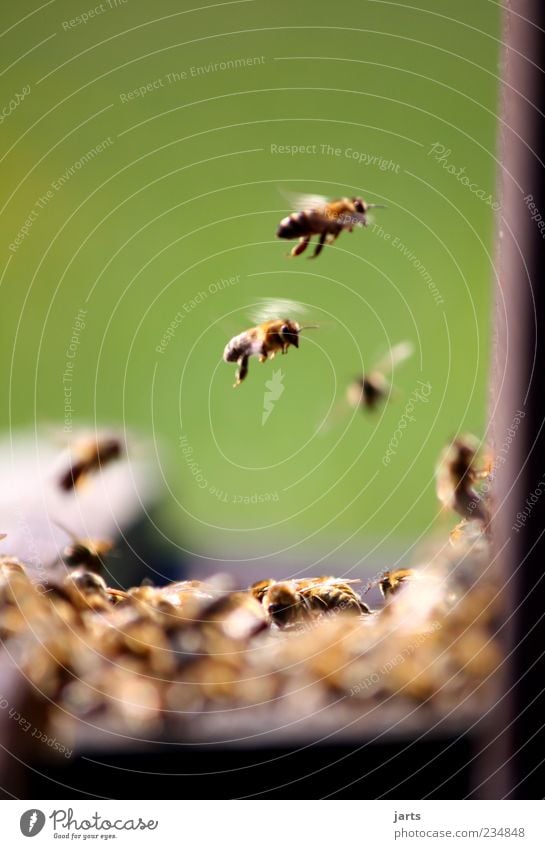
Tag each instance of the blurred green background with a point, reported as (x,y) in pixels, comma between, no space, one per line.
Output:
(185,191)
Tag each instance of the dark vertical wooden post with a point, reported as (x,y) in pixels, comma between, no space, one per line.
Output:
(514,765)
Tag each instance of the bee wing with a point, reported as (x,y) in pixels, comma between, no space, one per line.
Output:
(395,356)
(302,202)
(267,309)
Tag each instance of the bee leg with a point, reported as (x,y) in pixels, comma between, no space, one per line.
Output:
(301,246)
(319,246)
(242,370)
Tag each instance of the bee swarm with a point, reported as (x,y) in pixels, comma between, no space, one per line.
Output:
(145,661)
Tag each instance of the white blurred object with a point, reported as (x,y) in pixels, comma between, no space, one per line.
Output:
(32,501)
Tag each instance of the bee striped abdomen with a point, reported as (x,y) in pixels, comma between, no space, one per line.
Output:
(294,226)
(237,347)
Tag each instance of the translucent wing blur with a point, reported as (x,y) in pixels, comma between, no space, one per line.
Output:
(396,355)
(268,309)
(301,202)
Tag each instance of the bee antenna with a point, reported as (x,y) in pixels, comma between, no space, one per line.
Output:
(376,206)
(310,327)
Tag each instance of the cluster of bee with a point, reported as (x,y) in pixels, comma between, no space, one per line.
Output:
(148,658)
(151,659)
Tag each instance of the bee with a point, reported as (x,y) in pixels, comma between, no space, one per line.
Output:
(87,589)
(285,605)
(331,594)
(264,341)
(391,583)
(88,456)
(469,534)
(259,589)
(373,387)
(456,474)
(9,564)
(239,614)
(316,216)
(85,552)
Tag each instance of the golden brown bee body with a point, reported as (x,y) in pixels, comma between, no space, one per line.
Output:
(329,594)
(86,552)
(10,564)
(392,582)
(263,341)
(457,473)
(238,613)
(259,589)
(87,589)
(285,605)
(367,391)
(290,603)
(89,455)
(323,218)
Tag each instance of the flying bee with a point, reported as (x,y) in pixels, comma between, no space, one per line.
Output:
(456,474)
(285,604)
(316,216)
(266,339)
(331,594)
(88,456)
(374,386)
(85,552)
